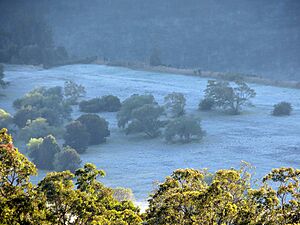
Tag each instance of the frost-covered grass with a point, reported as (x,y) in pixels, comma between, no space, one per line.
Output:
(135,162)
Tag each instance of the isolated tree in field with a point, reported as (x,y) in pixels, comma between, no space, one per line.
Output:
(42,151)
(175,103)
(73,91)
(96,126)
(183,129)
(76,136)
(130,104)
(67,159)
(282,109)
(227,97)
(146,119)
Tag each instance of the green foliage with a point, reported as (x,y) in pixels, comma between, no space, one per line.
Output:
(123,194)
(130,104)
(5,119)
(146,119)
(2,82)
(37,128)
(77,136)
(227,97)
(282,109)
(155,58)
(175,103)
(184,129)
(96,126)
(186,197)
(19,202)
(73,92)
(67,159)
(107,103)
(42,151)
(48,103)
(206,104)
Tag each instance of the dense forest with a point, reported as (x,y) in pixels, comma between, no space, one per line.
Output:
(256,37)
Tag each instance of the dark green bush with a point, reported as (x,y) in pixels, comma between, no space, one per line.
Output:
(206,104)
(67,159)
(107,103)
(282,109)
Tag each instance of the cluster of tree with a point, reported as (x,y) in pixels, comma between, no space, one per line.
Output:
(142,114)
(88,129)
(230,98)
(188,196)
(62,198)
(27,39)
(107,103)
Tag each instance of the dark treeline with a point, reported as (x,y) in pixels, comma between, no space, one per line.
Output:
(260,37)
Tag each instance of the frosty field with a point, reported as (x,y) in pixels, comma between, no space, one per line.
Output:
(137,162)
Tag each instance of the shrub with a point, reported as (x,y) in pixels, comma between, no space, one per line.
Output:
(146,119)
(5,119)
(282,109)
(77,136)
(184,129)
(96,126)
(37,128)
(42,151)
(175,103)
(129,105)
(73,91)
(67,159)
(206,104)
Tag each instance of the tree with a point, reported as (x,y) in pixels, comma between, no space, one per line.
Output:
(107,103)
(175,103)
(130,104)
(42,151)
(96,126)
(67,159)
(2,82)
(282,109)
(155,58)
(37,128)
(227,97)
(206,104)
(5,119)
(19,201)
(73,91)
(146,119)
(184,129)
(23,115)
(77,136)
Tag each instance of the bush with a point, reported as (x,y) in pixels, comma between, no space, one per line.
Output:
(146,119)
(37,128)
(108,103)
(96,126)
(42,151)
(67,159)
(175,103)
(5,119)
(282,109)
(129,105)
(77,136)
(206,104)
(184,129)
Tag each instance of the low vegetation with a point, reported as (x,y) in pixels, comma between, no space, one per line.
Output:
(282,109)
(107,103)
